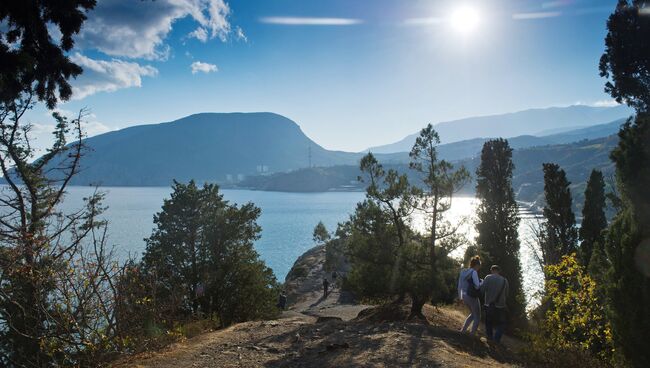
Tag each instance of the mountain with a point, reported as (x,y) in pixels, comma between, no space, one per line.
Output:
(227,147)
(206,147)
(528,122)
(577,159)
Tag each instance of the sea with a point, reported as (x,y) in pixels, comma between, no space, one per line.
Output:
(287,221)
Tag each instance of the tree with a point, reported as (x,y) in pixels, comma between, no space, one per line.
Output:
(498,219)
(321,235)
(575,322)
(559,231)
(31,62)
(628,282)
(626,65)
(594,221)
(201,261)
(626,61)
(56,273)
(439,184)
(388,198)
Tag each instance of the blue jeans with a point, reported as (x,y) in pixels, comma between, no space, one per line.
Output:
(494,322)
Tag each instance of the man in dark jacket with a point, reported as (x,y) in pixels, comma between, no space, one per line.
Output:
(495,288)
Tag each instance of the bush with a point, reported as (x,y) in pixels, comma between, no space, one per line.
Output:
(574,328)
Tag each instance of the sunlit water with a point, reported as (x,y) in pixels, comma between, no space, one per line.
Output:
(287,222)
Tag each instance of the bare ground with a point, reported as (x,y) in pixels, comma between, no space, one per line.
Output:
(322,331)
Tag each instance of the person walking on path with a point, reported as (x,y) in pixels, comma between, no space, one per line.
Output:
(326,285)
(468,291)
(496,290)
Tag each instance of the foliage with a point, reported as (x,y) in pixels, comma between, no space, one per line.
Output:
(439,183)
(498,219)
(321,235)
(575,322)
(628,285)
(199,262)
(388,257)
(31,61)
(559,233)
(594,221)
(626,61)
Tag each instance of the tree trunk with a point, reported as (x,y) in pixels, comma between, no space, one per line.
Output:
(416,308)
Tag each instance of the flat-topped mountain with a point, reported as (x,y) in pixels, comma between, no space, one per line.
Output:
(207,147)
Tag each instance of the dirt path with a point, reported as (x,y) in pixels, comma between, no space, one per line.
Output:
(319,331)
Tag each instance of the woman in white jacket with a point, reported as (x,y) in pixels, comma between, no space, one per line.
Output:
(467,279)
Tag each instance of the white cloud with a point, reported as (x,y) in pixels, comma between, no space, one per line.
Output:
(310,21)
(139,29)
(605,103)
(107,76)
(239,33)
(539,15)
(202,67)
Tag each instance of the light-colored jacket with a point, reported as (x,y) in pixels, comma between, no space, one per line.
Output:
(492,286)
(462,280)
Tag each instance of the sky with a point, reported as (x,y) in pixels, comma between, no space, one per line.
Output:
(352,74)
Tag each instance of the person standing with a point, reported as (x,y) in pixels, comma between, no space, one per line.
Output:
(468,292)
(326,285)
(495,288)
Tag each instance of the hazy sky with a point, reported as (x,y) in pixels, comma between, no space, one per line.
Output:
(352,74)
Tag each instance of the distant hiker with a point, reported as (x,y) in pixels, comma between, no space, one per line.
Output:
(334,276)
(326,285)
(468,291)
(495,288)
(282,301)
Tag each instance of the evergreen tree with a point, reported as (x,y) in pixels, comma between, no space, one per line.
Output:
(628,278)
(626,65)
(201,259)
(559,233)
(498,219)
(594,221)
(35,39)
(439,184)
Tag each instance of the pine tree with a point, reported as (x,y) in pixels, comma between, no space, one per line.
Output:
(594,221)
(559,231)
(498,219)
(201,259)
(440,182)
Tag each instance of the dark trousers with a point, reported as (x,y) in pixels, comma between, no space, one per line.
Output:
(494,322)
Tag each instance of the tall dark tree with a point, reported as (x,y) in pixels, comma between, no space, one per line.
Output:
(34,40)
(498,219)
(626,65)
(559,233)
(628,245)
(626,61)
(594,221)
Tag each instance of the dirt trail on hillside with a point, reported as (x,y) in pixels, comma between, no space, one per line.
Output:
(318,331)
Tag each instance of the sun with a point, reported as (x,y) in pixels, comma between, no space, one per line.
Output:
(465,19)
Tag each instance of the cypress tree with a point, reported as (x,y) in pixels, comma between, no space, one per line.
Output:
(626,65)
(559,232)
(628,244)
(498,218)
(593,217)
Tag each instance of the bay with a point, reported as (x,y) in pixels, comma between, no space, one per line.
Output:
(287,222)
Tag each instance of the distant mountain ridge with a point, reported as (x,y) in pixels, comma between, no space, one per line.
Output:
(527,122)
(228,147)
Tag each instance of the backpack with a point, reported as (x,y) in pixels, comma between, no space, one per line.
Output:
(471,289)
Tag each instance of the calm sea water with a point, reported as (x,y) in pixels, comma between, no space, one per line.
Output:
(287,221)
